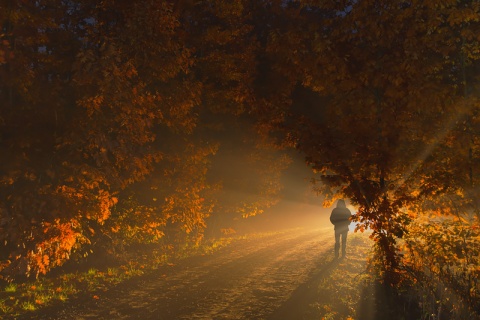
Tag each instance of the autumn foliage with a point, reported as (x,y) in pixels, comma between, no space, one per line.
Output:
(388,96)
(113,115)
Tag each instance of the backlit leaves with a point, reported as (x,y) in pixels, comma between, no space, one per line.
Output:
(110,115)
(386,89)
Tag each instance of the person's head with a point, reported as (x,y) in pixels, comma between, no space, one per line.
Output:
(341,203)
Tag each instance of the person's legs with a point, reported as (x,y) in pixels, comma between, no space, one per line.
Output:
(344,243)
(337,243)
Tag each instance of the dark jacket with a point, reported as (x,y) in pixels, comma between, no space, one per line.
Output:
(340,217)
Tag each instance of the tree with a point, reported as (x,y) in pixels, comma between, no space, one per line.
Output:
(34,94)
(85,104)
(104,98)
(386,76)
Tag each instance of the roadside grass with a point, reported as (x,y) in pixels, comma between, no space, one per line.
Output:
(339,293)
(351,290)
(20,298)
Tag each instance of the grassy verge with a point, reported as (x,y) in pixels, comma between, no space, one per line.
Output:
(19,298)
(340,291)
(349,289)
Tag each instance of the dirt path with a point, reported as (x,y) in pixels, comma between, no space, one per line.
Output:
(258,278)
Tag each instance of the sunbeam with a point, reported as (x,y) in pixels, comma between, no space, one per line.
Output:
(436,140)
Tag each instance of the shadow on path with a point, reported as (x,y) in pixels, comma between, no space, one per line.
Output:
(305,294)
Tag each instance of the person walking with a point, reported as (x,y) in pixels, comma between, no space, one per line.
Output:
(340,218)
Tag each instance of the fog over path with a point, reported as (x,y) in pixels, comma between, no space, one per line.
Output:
(251,279)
